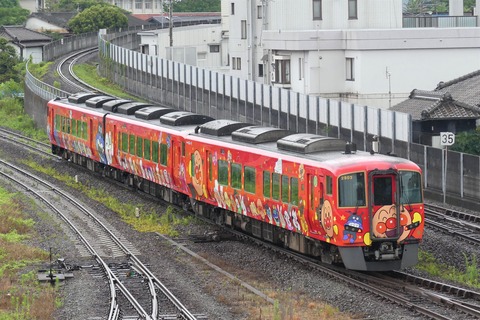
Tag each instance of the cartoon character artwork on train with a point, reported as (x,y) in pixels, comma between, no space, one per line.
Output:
(384,223)
(327,221)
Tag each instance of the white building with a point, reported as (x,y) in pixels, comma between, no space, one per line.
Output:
(352,50)
(197,45)
(356,51)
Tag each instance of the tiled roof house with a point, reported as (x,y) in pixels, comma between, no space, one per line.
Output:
(452,106)
(27,43)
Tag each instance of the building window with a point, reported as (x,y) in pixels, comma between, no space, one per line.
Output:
(214,48)
(138,4)
(350,68)
(236,63)
(232,11)
(259,12)
(260,70)
(300,68)
(148,5)
(244,29)
(317,9)
(282,71)
(352,9)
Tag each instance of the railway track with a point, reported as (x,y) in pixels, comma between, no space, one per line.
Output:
(461,225)
(432,299)
(140,290)
(70,82)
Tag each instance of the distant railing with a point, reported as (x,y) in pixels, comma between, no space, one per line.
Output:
(439,21)
(41,89)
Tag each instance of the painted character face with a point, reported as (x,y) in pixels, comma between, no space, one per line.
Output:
(197,174)
(327,218)
(385,223)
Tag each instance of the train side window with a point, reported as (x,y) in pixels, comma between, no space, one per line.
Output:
(155,152)
(267,181)
(329,185)
(236,179)
(124,142)
(85,130)
(146,149)
(294,191)
(276,186)
(74,127)
(183,149)
(285,189)
(163,154)
(131,145)
(57,122)
(223,172)
(249,179)
(67,125)
(139,147)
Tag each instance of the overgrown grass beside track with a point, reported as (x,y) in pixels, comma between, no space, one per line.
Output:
(21,295)
(13,116)
(146,221)
(89,74)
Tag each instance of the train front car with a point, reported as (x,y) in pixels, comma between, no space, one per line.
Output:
(378,219)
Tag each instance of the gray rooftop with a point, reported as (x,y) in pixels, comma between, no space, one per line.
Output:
(455,99)
(24,36)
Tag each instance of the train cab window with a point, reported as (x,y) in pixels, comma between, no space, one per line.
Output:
(285,192)
(155,152)
(410,187)
(276,186)
(267,181)
(163,154)
(382,190)
(329,185)
(351,190)
(236,176)
(249,179)
(294,191)
(146,149)
(223,172)
(131,144)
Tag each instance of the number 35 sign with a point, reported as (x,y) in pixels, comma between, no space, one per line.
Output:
(447,138)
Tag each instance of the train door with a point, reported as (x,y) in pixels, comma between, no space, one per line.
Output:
(209,172)
(176,162)
(314,201)
(384,209)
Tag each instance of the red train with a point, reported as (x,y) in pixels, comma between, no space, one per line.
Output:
(313,194)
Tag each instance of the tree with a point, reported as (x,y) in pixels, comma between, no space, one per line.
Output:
(194,6)
(70,6)
(467,142)
(13,16)
(8,61)
(432,6)
(98,17)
